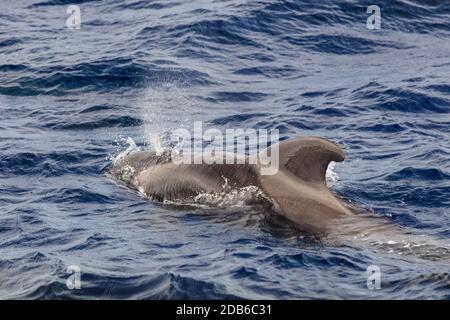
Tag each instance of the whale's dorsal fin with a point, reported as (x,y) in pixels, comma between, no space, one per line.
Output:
(308,157)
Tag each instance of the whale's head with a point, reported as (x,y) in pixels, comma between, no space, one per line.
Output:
(127,168)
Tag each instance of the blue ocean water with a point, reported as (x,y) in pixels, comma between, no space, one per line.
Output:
(70,99)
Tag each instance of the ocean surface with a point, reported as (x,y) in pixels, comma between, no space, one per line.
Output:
(73,99)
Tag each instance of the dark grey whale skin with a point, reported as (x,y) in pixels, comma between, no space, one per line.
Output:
(298,191)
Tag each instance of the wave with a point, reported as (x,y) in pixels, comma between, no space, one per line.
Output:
(9,42)
(376,96)
(48,164)
(163,285)
(422,174)
(110,122)
(100,76)
(60,2)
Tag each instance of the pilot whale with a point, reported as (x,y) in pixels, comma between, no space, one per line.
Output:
(298,191)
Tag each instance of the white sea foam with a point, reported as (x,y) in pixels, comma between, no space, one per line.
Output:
(228,198)
(331,176)
(132,147)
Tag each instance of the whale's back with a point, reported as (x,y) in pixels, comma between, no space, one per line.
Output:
(298,191)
